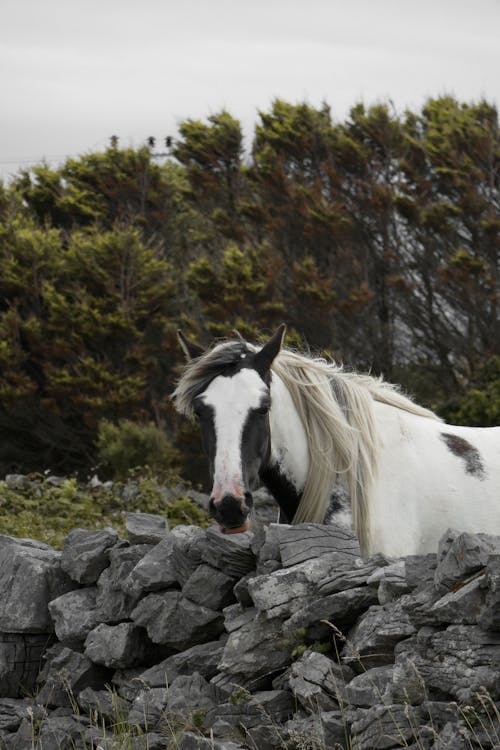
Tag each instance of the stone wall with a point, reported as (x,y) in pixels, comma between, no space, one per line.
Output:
(278,638)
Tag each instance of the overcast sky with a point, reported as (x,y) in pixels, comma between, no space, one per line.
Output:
(75,72)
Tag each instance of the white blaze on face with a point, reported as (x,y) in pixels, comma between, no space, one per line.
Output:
(232,398)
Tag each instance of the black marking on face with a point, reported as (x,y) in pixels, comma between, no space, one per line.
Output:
(467,452)
(255,444)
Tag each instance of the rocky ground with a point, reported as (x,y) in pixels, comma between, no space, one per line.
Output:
(281,637)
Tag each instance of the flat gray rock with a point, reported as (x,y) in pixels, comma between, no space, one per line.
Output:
(145,528)
(174,621)
(13,712)
(281,593)
(30,576)
(341,609)
(119,646)
(368,688)
(86,553)
(114,602)
(203,658)
(455,663)
(105,704)
(209,587)
(153,572)
(420,570)
(66,673)
(385,727)
(75,614)
(350,574)
(21,656)
(372,640)
(463,606)
(305,541)
(188,544)
(460,555)
(317,682)
(231,553)
(490,616)
(255,651)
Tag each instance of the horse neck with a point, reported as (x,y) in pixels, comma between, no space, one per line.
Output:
(288,466)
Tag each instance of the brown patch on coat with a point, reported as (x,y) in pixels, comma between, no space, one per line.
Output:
(467,452)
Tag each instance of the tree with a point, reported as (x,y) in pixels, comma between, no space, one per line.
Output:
(238,292)
(87,333)
(367,149)
(212,156)
(450,204)
(296,183)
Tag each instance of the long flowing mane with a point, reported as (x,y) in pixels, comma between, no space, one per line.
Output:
(336,409)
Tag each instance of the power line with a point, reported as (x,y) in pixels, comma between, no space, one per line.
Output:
(37,159)
(151,142)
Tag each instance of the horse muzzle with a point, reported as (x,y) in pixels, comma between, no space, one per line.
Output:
(231,512)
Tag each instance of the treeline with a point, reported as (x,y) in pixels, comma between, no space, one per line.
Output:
(376,239)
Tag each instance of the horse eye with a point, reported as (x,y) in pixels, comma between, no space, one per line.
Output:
(263,410)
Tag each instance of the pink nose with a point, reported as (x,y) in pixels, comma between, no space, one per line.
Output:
(234,489)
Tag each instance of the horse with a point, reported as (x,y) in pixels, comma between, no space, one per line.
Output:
(334,446)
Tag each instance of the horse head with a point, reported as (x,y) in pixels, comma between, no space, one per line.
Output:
(232,403)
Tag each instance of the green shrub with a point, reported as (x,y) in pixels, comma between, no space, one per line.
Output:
(46,512)
(480,405)
(126,445)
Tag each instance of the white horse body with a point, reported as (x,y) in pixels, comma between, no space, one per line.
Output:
(421,487)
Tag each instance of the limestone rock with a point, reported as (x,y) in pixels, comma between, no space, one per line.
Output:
(392,581)
(461,606)
(75,614)
(30,576)
(86,553)
(351,574)
(490,617)
(368,688)
(187,695)
(209,587)
(119,646)
(317,682)
(104,703)
(460,555)
(146,528)
(12,713)
(66,673)
(308,540)
(20,662)
(255,651)
(188,543)
(341,609)
(231,553)
(456,662)
(420,570)
(113,602)
(153,572)
(174,621)
(203,658)
(372,640)
(385,727)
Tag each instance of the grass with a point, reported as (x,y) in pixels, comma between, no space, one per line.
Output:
(47,512)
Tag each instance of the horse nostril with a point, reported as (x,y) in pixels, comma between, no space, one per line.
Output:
(230,511)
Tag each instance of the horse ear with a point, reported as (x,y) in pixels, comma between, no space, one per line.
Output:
(264,358)
(191,350)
